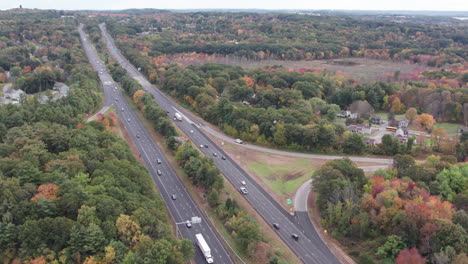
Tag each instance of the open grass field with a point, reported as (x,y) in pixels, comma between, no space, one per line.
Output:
(285,177)
(384,115)
(362,69)
(449,127)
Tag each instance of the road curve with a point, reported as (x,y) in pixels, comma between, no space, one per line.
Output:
(295,154)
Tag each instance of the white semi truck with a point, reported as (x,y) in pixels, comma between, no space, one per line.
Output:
(177,116)
(205,249)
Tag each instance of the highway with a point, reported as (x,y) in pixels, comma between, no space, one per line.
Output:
(182,208)
(309,248)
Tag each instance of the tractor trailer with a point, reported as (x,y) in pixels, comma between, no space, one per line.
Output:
(205,249)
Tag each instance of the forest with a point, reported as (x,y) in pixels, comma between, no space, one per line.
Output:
(414,213)
(70,192)
(295,109)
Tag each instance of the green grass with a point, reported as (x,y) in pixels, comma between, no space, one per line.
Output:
(449,127)
(276,175)
(1,89)
(384,115)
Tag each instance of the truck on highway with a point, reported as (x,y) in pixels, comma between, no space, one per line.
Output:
(205,249)
(177,116)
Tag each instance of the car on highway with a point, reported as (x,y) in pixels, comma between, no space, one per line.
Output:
(116,99)
(295,237)
(159,172)
(201,146)
(158,161)
(188,224)
(128,120)
(191,131)
(214,154)
(206,146)
(223,158)
(243,190)
(138,135)
(238,141)
(173,197)
(123,109)
(276,226)
(243,183)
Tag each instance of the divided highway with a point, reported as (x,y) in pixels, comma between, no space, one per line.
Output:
(309,247)
(180,204)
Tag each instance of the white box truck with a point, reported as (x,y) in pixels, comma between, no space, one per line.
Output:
(178,116)
(205,249)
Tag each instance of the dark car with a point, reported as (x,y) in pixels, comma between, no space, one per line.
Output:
(158,161)
(159,172)
(276,226)
(138,136)
(295,237)
(173,197)
(206,146)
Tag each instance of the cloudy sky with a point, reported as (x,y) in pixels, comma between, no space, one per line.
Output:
(445,5)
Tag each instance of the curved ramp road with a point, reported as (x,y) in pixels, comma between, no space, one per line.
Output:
(310,248)
(183,208)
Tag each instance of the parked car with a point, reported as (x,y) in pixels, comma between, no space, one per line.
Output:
(276,226)
(238,141)
(243,190)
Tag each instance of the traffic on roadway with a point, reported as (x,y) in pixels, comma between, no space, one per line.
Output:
(182,208)
(300,237)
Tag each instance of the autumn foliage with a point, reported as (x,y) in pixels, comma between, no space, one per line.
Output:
(426,120)
(47,191)
(410,256)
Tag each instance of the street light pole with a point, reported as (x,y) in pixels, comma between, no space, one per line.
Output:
(195,220)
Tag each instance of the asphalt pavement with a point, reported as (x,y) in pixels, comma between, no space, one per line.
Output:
(309,248)
(182,208)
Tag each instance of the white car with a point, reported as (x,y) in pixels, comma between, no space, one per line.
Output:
(243,183)
(243,190)
(238,141)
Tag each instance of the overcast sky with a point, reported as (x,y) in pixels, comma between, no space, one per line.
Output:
(444,5)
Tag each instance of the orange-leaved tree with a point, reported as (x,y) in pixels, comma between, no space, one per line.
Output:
(426,120)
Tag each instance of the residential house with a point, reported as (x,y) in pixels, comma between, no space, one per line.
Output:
(361,129)
(376,120)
